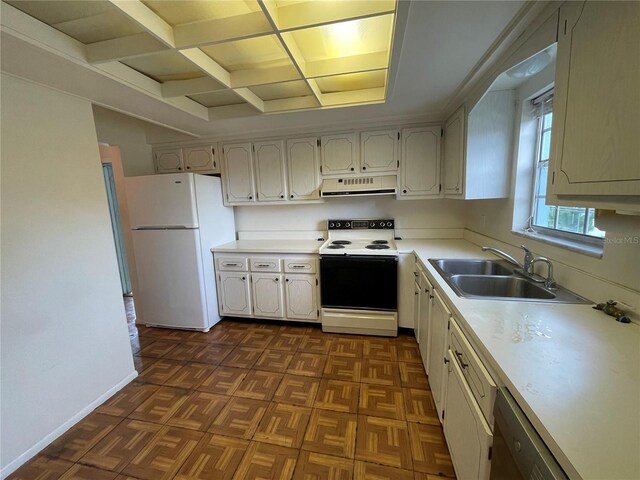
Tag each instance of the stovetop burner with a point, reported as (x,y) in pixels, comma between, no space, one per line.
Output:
(341,242)
(335,247)
(377,246)
(380,242)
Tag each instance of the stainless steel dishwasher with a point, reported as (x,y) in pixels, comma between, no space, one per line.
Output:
(518,451)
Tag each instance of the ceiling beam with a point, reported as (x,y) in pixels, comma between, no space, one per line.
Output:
(147,19)
(264,76)
(289,104)
(231,111)
(353,64)
(192,86)
(350,97)
(312,13)
(124,48)
(210,32)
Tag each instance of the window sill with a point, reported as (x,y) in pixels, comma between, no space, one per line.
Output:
(591,250)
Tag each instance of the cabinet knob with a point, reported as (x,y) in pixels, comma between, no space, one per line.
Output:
(286,279)
(275,279)
(188,167)
(363,168)
(291,196)
(281,196)
(352,169)
(179,168)
(243,278)
(404,191)
(250,197)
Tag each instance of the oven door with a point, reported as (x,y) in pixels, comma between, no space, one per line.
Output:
(359,282)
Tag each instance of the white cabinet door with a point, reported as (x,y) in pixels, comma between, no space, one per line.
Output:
(234,294)
(595,141)
(406,268)
(339,154)
(424,298)
(420,164)
(168,160)
(454,150)
(270,171)
(301,296)
(201,158)
(267,295)
(468,435)
(438,323)
(238,173)
(379,151)
(304,168)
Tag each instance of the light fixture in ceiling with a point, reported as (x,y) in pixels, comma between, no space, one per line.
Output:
(531,65)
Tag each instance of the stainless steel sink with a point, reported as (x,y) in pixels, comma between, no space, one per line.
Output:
(496,280)
(473,267)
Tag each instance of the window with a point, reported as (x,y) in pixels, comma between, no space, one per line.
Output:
(573,223)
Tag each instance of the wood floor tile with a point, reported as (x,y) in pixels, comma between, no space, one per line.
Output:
(307,364)
(184,351)
(82,437)
(283,424)
(429,450)
(381,401)
(190,376)
(198,411)
(331,433)
(119,447)
(380,349)
(223,380)
(343,368)
(173,335)
(371,471)
(239,418)
(214,458)
(157,349)
(259,385)
(297,390)
(160,371)
(161,458)
(316,466)
(347,347)
(242,357)
(212,354)
(408,351)
(419,406)
(380,372)
(264,461)
(41,468)
(161,406)
(338,396)
(226,336)
(413,375)
(320,344)
(84,472)
(286,341)
(140,363)
(274,361)
(426,476)
(258,339)
(384,441)
(127,400)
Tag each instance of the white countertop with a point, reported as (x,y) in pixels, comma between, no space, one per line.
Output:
(269,246)
(573,370)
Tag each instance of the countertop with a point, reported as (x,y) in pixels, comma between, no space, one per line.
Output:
(574,371)
(269,246)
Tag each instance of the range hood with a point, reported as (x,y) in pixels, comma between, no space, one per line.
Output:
(349,186)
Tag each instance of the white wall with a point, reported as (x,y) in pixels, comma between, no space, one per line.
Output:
(130,135)
(408,214)
(64,342)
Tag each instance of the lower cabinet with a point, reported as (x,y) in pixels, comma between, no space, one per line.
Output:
(267,295)
(235,297)
(301,296)
(425,297)
(438,341)
(468,435)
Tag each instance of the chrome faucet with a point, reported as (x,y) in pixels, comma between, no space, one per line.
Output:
(502,254)
(526,267)
(549,281)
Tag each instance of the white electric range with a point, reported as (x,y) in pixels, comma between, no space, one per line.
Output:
(358,273)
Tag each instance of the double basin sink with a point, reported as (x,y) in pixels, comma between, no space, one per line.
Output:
(497,280)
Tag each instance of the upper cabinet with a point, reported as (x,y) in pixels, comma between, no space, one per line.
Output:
(270,171)
(201,158)
(304,168)
(238,173)
(339,154)
(379,151)
(478,148)
(168,160)
(420,163)
(595,141)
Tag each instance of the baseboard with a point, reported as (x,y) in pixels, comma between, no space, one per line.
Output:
(33,451)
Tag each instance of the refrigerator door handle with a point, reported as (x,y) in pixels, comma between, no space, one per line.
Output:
(163,227)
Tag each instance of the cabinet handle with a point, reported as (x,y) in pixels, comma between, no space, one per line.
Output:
(263,265)
(416,293)
(416,273)
(230,264)
(462,364)
(214,164)
(298,266)
(446,360)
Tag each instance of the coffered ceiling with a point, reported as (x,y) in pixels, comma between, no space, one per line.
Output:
(238,57)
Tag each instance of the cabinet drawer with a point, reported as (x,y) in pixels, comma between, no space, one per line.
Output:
(265,264)
(232,264)
(476,375)
(300,265)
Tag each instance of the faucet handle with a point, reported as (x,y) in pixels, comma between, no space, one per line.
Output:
(526,250)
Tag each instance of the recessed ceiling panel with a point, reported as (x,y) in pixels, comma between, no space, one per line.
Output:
(165,66)
(217,99)
(345,39)
(277,91)
(252,53)
(187,11)
(301,13)
(58,11)
(352,81)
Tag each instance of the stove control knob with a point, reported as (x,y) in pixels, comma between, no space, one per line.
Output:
(348,225)
(381,224)
(389,224)
(331,225)
(338,224)
(372,224)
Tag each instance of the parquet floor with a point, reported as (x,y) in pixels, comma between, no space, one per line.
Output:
(258,401)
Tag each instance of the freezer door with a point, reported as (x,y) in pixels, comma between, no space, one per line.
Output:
(162,201)
(170,278)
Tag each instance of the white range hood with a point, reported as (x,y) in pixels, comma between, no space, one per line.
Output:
(349,186)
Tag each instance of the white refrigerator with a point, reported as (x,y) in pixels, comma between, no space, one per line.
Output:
(175,220)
